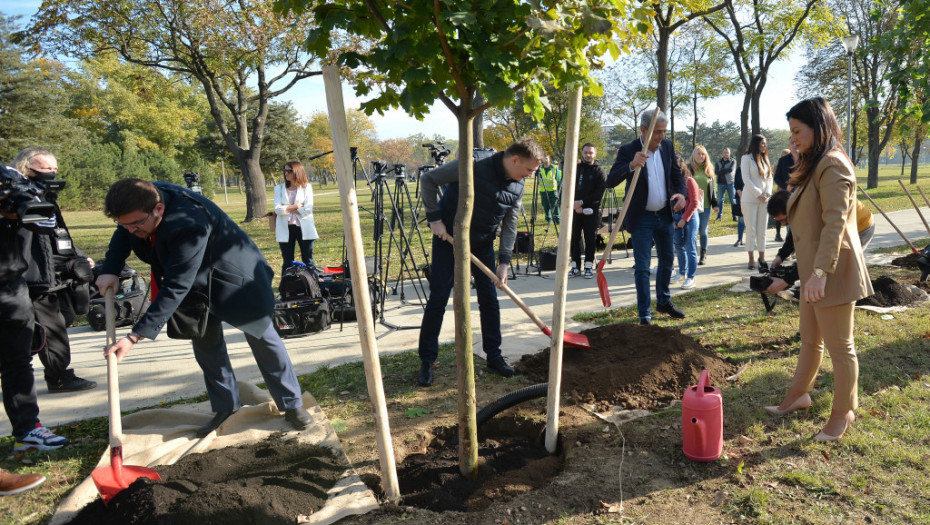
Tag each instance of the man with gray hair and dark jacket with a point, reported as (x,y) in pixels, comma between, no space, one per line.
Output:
(498,194)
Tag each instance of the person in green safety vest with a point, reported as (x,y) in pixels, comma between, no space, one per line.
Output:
(550,177)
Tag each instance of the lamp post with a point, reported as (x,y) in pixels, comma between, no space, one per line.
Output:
(850,43)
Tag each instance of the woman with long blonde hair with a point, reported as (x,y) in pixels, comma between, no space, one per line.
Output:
(702,169)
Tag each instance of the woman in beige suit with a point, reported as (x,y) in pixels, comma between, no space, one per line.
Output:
(822,214)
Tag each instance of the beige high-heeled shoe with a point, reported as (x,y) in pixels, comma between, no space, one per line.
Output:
(803,402)
(822,436)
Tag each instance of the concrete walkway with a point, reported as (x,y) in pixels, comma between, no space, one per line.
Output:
(165,370)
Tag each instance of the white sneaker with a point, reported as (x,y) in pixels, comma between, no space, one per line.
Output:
(688,284)
(574,272)
(676,276)
(653,270)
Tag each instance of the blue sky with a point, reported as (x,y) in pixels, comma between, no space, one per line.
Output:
(309,97)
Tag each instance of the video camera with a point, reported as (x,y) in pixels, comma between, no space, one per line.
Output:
(761,283)
(400,171)
(378,166)
(192,179)
(25,198)
(438,151)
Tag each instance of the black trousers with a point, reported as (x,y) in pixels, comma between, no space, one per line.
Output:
(584,226)
(16,375)
(52,312)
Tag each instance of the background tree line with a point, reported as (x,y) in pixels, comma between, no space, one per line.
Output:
(115,103)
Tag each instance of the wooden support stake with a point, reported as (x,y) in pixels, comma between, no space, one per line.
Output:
(569,165)
(355,249)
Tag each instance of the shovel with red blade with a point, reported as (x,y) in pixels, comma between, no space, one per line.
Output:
(112,480)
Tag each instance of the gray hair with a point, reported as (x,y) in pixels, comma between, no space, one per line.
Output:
(23,159)
(646,118)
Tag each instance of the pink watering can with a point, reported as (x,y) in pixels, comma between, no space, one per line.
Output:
(702,421)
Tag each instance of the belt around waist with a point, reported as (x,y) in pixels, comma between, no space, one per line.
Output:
(658,212)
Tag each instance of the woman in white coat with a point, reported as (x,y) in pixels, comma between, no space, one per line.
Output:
(293,204)
(757,179)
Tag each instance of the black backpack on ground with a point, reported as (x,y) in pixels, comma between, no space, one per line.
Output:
(299,281)
(301,308)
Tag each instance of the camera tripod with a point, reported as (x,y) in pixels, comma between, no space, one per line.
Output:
(398,237)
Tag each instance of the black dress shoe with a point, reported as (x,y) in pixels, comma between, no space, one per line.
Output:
(500,367)
(779,239)
(735,244)
(645,322)
(214,424)
(671,310)
(425,378)
(70,384)
(298,417)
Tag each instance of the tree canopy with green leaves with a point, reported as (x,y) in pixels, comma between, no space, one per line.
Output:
(240,52)
(452,50)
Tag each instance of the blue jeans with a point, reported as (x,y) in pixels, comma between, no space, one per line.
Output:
(658,228)
(442,275)
(730,191)
(740,228)
(686,245)
(704,222)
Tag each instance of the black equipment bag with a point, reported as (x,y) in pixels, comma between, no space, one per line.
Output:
(547,259)
(129,307)
(339,293)
(302,316)
(299,281)
(132,300)
(524,243)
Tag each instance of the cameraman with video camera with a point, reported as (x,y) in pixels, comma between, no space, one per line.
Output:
(19,207)
(57,277)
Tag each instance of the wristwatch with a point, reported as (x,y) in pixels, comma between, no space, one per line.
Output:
(819,272)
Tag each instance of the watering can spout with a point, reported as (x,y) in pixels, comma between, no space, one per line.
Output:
(699,433)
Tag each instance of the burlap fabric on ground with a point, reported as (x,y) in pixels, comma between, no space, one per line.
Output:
(163,436)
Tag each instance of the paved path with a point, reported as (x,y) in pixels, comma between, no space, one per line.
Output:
(164,370)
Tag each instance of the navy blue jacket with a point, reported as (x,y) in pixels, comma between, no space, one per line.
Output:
(241,294)
(620,171)
(496,197)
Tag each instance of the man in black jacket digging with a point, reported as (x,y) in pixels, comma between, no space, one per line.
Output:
(498,193)
(184,235)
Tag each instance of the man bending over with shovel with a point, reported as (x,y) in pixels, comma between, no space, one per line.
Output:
(660,189)
(498,193)
(194,247)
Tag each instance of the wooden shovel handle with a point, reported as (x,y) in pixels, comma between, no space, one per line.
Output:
(626,198)
(497,282)
(116,423)
(916,207)
(913,248)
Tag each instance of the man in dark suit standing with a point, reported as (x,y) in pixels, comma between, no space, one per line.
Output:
(182,235)
(590,182)
(659,190)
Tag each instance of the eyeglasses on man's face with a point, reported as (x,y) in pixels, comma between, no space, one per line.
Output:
(134,224)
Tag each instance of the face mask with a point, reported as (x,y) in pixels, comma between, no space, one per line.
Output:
(43,175)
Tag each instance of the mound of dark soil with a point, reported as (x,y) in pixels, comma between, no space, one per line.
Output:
(511,460)
(907,261)
(888,292)
(271,482)
(630,365)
